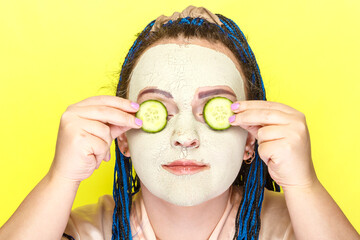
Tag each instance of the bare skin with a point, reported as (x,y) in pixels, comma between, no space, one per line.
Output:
(86,132)
(85,135)
(284,145)
(198,221)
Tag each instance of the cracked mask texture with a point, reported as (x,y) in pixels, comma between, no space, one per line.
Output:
(182,70)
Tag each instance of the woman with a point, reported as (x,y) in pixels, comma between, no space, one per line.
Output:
(193,185)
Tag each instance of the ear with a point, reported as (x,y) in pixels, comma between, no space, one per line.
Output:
(249,147)
(123,145)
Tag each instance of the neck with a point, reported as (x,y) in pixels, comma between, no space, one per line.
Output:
(170,221)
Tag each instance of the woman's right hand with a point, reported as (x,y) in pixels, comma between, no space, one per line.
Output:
(86,131)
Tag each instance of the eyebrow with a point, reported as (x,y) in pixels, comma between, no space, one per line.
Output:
(215,92)
(201,94)
(158,91)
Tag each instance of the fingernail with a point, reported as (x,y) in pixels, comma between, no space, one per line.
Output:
(135,105)
(232,118)
(109,157)
(235,106)
(138,122)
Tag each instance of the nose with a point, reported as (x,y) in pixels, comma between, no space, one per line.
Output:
(185,138)
(184,134)
(194,143)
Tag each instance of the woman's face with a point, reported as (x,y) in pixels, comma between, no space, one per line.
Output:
(184,76)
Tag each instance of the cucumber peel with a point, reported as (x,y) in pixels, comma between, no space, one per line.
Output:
(216,113)
(154,114)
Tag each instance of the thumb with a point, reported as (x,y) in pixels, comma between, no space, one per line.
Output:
(252,129)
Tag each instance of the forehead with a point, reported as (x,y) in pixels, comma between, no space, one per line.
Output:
(183,69)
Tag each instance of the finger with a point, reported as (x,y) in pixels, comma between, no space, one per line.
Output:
(268,151)
(253,130)
(270,133)
(107,115)
(99,130)
(110,101)
(98,164)
(116,131)
(105,159)
(260,104)
(261,117)
(265,152)
(98,148)
(108,156)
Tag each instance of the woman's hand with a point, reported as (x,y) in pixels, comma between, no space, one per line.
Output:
(86,131)
(283,138)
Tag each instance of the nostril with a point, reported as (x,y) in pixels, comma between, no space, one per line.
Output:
(191,144)
(194,143)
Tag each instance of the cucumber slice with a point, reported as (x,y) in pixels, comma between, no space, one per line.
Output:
(217,112)
(153,113)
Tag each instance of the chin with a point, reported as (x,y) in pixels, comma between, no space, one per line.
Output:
(186,201)
(188,190)
(190,196)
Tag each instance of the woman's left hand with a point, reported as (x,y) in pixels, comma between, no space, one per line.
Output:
(283,139)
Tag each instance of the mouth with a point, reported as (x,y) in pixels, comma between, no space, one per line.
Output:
(185,167)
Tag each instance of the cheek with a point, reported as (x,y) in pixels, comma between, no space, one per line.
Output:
(227,149)
(223,150)
(226,141)
(146,149)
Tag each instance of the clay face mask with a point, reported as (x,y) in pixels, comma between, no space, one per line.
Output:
(185,71)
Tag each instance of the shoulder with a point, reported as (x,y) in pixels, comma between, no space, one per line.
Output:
(275,218)
(105,204)
(92,221)
(274,202)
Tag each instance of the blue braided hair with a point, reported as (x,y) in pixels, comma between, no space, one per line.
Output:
(253,177)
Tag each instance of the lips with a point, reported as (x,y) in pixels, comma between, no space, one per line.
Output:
(185,167)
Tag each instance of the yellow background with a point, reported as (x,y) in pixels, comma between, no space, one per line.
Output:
(56,53)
